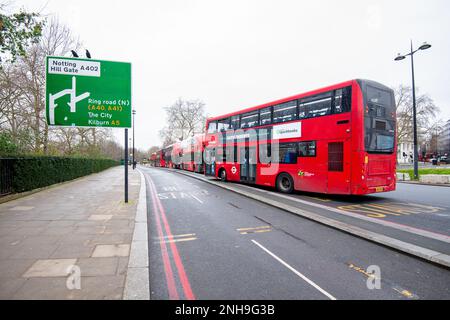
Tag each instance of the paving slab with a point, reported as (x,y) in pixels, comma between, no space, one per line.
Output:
(9,286)
(50,268)
(111,250)
(100,217)
(21,208)
(90,267)
(73,250)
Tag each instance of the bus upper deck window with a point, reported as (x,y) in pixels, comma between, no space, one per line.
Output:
(212,127)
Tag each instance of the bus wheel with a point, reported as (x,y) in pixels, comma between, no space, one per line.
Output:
(223,175)
(285,184)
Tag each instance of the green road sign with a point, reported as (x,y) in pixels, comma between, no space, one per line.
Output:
(88,93)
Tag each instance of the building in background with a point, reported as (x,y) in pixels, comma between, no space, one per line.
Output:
(405,150)
(444,139)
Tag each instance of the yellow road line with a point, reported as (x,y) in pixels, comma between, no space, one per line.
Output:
(384,209)
(405,293)
(257,231)
(400,290)
(321,199)
(399,209)
(380,210)
(361,270)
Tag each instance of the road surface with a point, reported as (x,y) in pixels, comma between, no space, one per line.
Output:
(209,243)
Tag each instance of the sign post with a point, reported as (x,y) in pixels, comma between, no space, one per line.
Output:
(89,93)
(126,165)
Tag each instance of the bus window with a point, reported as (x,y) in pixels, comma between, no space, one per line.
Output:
(316,106)
(307,149)
(342,100)
(212,127)
(288,153)
(265,153)
(285,112)
(379,120)
(220,154)
(265,116)
(249,120)
(231,154)
(235,123)
(223,125)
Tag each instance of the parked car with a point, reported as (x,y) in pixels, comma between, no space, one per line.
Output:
(444,159)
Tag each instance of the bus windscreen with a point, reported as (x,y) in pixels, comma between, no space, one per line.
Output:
(379,120)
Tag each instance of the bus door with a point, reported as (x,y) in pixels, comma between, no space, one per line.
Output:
(210,162)
(247,160)
(338,181)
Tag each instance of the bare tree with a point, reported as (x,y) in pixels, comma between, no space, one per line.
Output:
(184,119)
(426,113)
(152,149)
(57,40)
(22,102)
(24,93)
(67,139)
(112,149)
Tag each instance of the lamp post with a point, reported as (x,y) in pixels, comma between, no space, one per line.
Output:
(400,57)
(133,112)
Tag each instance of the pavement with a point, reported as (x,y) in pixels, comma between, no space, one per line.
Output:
(424,184)
(206,242)
(423,165)
(71,241)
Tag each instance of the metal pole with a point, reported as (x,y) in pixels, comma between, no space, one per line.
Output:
(126,165)
(133,142)
(416,151)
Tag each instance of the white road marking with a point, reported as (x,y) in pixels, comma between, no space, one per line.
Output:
(178,240)
(295,271)
(402,227)
(178,236)
(196,198)
(170,188)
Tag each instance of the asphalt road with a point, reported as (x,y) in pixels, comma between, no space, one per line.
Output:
(210,243)
(419,206)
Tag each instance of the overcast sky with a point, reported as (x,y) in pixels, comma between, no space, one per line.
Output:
(236,54)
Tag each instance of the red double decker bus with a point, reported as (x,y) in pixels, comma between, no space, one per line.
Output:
(154,159)
(165,157)
(193,153)
(176,156)
(336,140)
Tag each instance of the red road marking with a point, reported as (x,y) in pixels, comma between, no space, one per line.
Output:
(176,256)
(171,287)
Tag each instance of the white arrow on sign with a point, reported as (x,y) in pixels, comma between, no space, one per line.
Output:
(73,99)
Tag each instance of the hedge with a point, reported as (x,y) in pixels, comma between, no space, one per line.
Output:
(34,172)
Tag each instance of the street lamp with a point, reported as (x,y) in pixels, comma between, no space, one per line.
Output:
(400,57)
(133,112)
